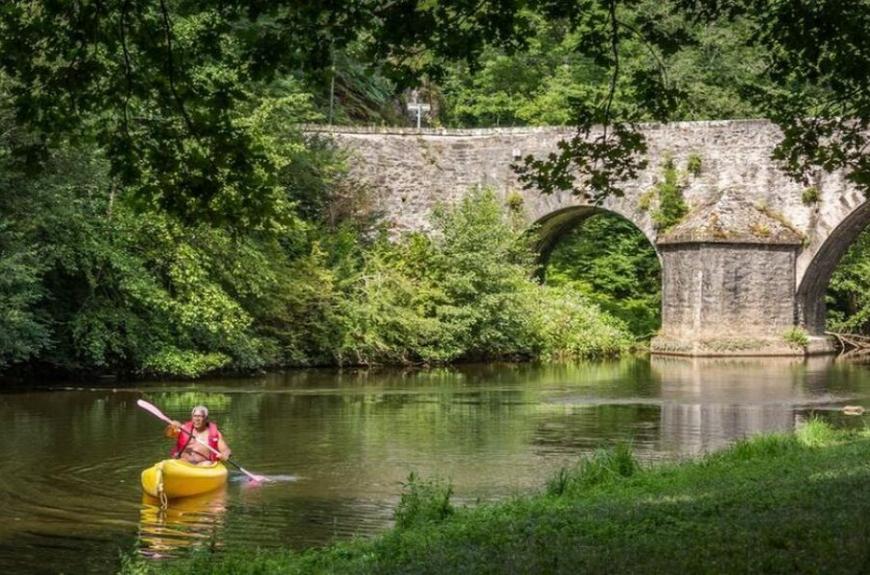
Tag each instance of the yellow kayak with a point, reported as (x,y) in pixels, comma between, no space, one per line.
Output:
(178,478)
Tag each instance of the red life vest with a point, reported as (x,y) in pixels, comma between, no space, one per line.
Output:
(184,439)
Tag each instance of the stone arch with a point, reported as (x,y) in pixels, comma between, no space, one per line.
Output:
(814,283)
(552,227)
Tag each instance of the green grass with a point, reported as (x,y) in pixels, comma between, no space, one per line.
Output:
(797,336)
(773,504)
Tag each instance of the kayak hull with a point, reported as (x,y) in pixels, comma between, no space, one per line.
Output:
(178,478)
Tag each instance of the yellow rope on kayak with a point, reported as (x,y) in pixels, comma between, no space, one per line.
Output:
(161,492)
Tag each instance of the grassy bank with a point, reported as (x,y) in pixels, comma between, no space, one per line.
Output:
(774,504)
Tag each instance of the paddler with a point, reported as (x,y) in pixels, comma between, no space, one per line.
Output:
(199,427)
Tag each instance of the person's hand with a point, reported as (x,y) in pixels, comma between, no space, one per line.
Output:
(173,429)
(223,456)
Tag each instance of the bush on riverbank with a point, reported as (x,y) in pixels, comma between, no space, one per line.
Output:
(467,292)
(773,504)
(119,292)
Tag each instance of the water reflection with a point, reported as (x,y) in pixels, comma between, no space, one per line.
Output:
(707,403)
(185,522)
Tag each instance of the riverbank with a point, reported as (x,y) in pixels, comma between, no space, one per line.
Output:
(773,504)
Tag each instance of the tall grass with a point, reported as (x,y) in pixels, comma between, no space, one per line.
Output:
(816,433)
(603,466)
(423,501)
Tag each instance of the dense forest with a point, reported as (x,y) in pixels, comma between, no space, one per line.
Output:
(161,213)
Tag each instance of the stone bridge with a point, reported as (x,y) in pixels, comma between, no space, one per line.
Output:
(751,260)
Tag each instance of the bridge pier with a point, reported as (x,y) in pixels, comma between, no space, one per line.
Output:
(728,277)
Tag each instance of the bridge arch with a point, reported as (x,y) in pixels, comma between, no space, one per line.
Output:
(812,310)
(550,228)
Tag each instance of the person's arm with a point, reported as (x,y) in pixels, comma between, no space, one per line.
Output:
(224,449)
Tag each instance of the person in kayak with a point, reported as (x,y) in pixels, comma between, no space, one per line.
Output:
(199,427)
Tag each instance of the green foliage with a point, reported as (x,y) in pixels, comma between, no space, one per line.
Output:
(796,336)
(515,202)
(613,265)
(848,297)
(24,328)
(603,466)
(423,501)
(693,164)
(573,327)
(819,95)
(671,206)
(388,312)
(444,299)
(816,433)
(486,308)
(183,363)
(760,447)
(810,196)
(147,294)
(167,89)
(566,61)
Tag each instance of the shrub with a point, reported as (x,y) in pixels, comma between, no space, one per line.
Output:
(423,501)
(571,327)
(797,336)
(810,196)
(693,165)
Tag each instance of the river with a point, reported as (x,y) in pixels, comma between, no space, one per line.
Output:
(339,445)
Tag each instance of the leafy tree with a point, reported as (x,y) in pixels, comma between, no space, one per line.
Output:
(166,89)
(815,82)
(485,309)
(24,330)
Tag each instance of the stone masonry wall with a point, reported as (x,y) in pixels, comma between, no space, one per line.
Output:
(738,289)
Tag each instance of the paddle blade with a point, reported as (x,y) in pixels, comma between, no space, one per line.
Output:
(153,410)
(252,476)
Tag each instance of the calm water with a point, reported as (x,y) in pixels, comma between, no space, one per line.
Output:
(340,444)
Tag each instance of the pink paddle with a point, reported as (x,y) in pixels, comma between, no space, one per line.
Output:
(151,408)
